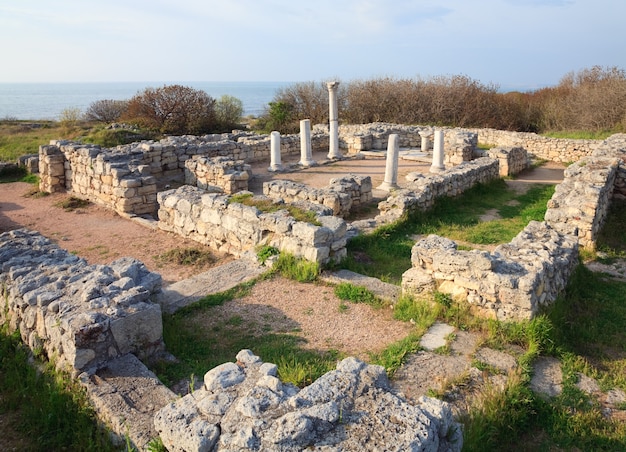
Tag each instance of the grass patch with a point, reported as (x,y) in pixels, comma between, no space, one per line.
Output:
(296,268)
(357,294)
(268,206)
(72,203)
(386,253)
(53,410)
(612,236)
(200,348)
(580,134)
(186,256)
(265,252)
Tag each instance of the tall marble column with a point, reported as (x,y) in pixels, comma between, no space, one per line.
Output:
(306,154)
(333,148)
(438,153)
(275,159)
(391,167)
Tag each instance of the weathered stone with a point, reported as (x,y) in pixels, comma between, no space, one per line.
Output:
(336,411)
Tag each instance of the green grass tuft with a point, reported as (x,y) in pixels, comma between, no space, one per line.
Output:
(357,294)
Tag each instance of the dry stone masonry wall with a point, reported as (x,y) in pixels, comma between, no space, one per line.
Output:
(580,203)
(226,174)
(235,228)
(423,190)
(125,178)
(512,161)
(459,144)
(513,282)
(561,150)
(521,277)
(244,406)
(83,314)
(342,194)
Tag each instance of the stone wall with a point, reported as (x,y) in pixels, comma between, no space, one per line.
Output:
(230,176)
(513,282)
(244,406)
(234,228)
(519,278)
(580,203)
(422,192)
(512,161)
(459,144)
(125,178)
(81,314)
(562,150)
(121,181)
(342,195)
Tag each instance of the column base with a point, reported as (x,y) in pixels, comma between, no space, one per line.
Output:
(437,169)
(307,163)
(387,186)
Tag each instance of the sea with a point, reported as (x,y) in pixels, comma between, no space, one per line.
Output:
(39,101)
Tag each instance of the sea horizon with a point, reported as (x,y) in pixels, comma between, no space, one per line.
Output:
(48,100)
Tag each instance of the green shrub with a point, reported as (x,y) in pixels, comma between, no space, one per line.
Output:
(228,112)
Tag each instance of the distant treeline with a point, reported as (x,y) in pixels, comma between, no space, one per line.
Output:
(592,99)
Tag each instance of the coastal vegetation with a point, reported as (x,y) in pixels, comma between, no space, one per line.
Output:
(591,100)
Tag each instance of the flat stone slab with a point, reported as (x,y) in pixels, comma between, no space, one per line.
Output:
(127,395)
(386,291)
(436,336)
(215,280)
(547,377)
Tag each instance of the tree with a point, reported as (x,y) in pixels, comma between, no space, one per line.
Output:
(106,110)
(173,109)
(228,112)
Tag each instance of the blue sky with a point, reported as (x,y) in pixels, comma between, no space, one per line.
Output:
(515,44)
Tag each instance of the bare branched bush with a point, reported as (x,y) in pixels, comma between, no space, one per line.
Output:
(173,109)
(106,110)
(593,99)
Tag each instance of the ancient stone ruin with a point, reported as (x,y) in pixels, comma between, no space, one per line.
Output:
(93,318)
(244,406)
(84,315)
(520,278)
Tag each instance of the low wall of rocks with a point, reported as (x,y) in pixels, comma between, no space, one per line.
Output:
(519,278)
(342,194)
(235,228)
(511,161)
(230,176)
(423,190)
(244,406)
(512,283)
(459,144)
(580,203)
(84,315)
(562,150)
(125,178)
(121,181)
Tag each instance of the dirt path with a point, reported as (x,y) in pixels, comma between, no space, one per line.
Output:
(94,233)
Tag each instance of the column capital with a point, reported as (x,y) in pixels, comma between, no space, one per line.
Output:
(332,85)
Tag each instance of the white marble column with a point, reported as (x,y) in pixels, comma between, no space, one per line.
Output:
(275,159)
(438,153)
(425,134)
(391,167)
(333,147)
(306,154)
